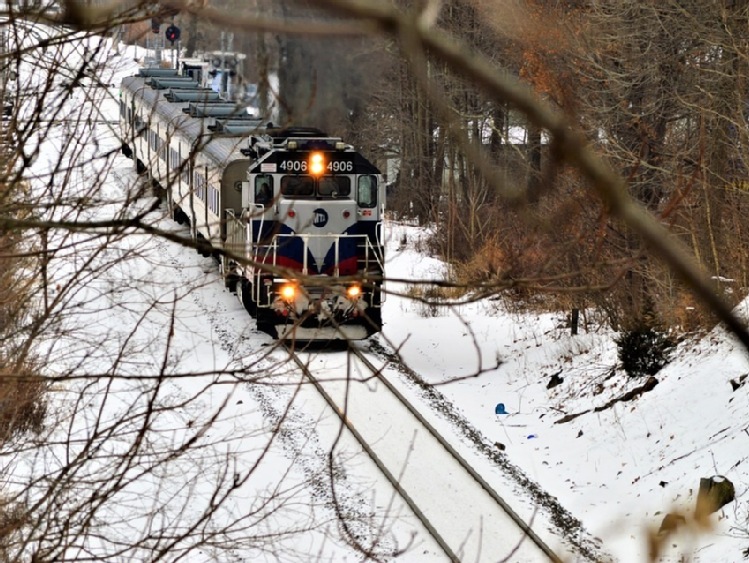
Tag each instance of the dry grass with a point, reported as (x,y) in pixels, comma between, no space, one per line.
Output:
(13,517)
(22,401)
(23,405)
(22,410)
(490,262)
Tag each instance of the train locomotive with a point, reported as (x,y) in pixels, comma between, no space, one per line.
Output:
(293,216)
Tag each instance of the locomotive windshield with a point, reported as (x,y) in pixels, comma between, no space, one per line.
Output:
(320,174)
(308,186)
(297,186)
(334,186)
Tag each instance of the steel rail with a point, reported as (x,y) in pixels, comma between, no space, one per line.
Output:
(374,457)
(526,529)
(535,538)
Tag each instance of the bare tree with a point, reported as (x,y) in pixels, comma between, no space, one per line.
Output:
(133,464)
(143,455)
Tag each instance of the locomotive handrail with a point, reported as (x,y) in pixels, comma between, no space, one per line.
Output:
(248,240)
(371,253)
(237,237)
(260,209)
(380,245)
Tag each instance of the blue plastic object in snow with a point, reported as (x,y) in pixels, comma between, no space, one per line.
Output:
(500,409)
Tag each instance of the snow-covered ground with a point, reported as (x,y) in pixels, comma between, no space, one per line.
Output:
(620,470)
(146,308)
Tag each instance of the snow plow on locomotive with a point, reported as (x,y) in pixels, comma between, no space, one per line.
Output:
(293,216)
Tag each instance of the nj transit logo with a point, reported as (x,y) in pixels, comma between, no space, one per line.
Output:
(320,218)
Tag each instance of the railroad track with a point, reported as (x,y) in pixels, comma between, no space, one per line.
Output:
(463,514)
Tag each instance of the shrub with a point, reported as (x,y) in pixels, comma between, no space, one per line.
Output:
(13,517)
(23,403)
(643,351)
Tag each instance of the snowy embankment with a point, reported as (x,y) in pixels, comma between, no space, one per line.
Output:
(620,469)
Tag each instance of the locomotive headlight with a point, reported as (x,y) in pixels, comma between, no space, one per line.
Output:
(353,292)
(288,292)
(316,163)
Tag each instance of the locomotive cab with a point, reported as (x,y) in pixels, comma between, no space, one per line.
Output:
(314,211)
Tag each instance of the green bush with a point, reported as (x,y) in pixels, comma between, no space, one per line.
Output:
(643,352)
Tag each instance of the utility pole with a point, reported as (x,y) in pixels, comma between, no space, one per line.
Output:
(157,50)
(263,72)
(231,66)
(222,65)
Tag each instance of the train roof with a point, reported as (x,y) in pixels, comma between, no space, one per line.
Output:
(192,95)
(220,147)
(173,82)
(157,71)
(277,144)
(225,130)
(243,127)
(217,108)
